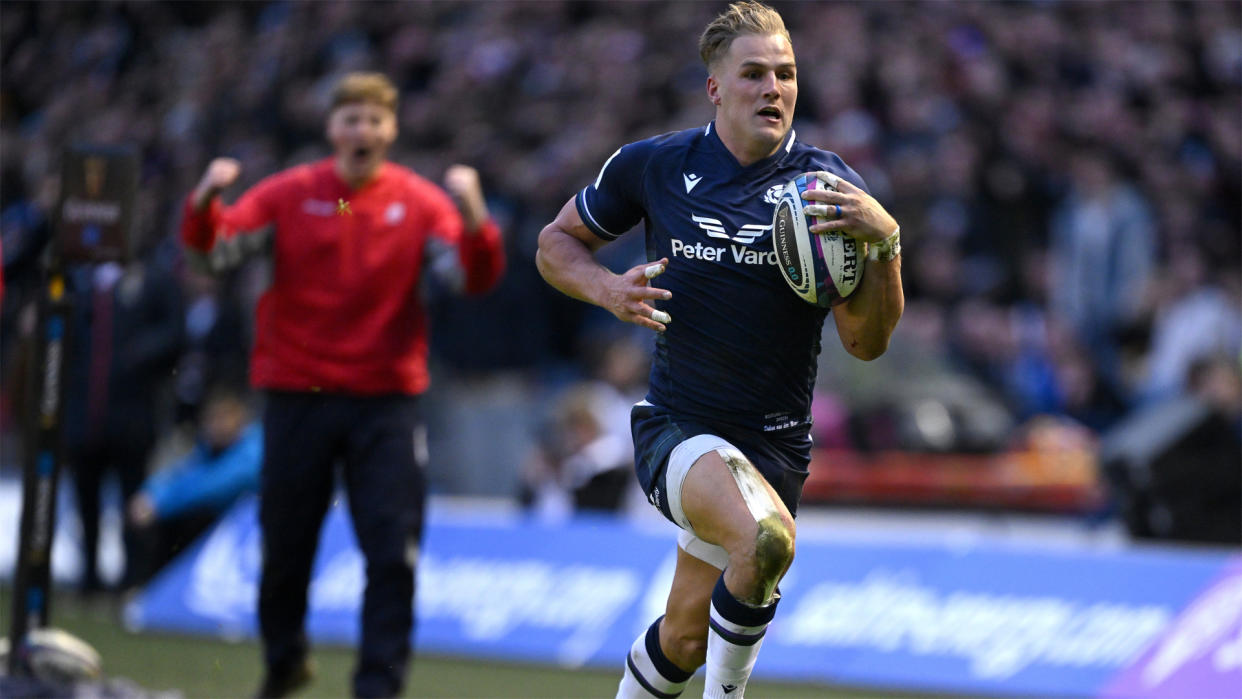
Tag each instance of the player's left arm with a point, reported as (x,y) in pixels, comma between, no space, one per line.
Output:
(865,321)
(480,248)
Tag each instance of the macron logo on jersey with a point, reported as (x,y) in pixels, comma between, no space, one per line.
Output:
(691,180)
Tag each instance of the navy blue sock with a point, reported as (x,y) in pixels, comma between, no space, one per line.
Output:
(649,672)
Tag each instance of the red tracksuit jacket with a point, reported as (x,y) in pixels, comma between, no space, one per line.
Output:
(343,313)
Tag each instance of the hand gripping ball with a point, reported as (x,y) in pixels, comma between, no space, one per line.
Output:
(823,269)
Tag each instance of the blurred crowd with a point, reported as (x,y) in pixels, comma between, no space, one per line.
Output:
(1067,176)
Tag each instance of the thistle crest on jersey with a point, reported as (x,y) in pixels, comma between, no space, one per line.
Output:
(823,269)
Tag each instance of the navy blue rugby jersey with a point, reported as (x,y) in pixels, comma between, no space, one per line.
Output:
(742,347)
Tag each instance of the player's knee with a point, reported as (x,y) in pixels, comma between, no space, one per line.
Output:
(390,555)
(774,547)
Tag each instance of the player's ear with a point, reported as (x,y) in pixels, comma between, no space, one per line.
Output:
(713,90)
(396,126)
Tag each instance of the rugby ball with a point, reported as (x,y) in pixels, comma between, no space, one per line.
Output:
(56,656)
(823,269)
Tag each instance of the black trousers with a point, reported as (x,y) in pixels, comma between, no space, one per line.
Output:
(91,464)
(380,443)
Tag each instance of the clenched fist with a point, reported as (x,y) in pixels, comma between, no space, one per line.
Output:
(219,175)
(462,184)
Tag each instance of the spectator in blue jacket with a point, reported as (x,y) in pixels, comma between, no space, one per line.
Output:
(181,501)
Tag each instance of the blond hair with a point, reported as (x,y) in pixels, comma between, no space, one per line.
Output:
(366,88)
(744,17)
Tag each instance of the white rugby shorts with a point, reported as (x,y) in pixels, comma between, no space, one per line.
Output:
(680,460)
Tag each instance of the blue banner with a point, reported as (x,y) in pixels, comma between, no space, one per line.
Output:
(982,619)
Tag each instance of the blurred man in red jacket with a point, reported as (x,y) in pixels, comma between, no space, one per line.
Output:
(341,351)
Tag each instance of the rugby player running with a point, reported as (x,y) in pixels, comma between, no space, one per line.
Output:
(722,439)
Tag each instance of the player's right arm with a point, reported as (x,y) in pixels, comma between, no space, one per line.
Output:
(207,223)
(566,259)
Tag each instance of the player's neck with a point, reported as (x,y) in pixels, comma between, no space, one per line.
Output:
(355,178)
(746,151)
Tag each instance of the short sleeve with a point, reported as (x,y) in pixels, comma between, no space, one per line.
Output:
(613,204)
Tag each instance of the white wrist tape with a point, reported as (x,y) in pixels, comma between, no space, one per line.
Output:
(887,249)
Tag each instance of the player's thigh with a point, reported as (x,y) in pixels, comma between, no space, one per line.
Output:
(384,475)
(683,633)
(725,497)
(299,447)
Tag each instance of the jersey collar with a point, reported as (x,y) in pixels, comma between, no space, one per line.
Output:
(381,175)
(709,133)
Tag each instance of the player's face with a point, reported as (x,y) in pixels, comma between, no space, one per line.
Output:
(361,134)
(754,87)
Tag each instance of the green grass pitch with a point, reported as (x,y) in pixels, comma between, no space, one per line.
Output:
(198,667)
